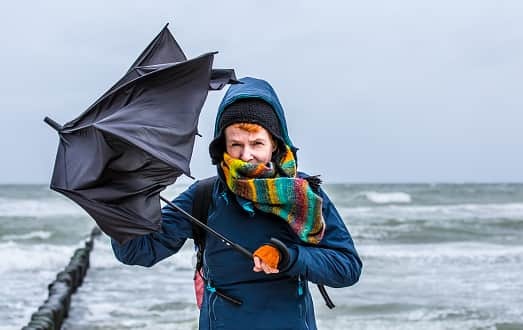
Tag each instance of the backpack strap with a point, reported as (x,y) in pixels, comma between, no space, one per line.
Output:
(200,210)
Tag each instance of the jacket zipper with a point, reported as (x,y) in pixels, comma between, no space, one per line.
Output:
(300,286)
(212,300)
(301,291)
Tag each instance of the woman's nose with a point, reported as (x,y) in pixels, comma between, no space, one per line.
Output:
(246,154)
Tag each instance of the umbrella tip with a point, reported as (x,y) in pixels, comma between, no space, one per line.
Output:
(53,124)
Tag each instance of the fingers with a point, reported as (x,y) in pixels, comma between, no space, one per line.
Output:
(259,266)
(269,255)
(269,270)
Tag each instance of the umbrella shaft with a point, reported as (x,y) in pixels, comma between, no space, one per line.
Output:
(208,229)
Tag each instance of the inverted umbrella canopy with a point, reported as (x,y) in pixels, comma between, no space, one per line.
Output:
(136,139)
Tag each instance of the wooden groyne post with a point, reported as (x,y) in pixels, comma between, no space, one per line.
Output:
(51,314)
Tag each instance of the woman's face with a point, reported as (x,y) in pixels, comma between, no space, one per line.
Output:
(253,147)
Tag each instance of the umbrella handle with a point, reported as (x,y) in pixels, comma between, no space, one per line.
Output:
(283,251)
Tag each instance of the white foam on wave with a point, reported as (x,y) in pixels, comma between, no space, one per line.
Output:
(43,235)
(462,250)
(388,198)
(419,319)
(438,212)
(59,205)
(160,297)
(19,257)
(38,208)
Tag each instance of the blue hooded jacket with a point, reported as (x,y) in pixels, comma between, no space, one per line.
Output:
(276,301)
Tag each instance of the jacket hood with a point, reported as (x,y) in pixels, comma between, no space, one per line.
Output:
(255,88)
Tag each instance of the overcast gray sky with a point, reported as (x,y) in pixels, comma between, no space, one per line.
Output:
(374,91)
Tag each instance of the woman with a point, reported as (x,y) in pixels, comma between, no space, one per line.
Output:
(258,195)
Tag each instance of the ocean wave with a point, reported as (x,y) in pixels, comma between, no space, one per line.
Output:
(421,319)
(38,208)
(437,212)
(43,235)
(37,257)
(387,198)
(58,205)
(446,251)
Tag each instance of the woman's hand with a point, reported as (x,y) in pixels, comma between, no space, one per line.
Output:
(260,265)
(266,259)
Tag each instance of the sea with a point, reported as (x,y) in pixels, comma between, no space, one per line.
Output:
(436,256)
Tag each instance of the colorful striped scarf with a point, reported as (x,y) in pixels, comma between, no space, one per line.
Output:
(290,198)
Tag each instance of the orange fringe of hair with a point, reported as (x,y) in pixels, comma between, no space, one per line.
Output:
(253,128)
(249,127)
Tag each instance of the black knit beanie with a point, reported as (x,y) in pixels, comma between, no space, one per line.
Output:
(248,110)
